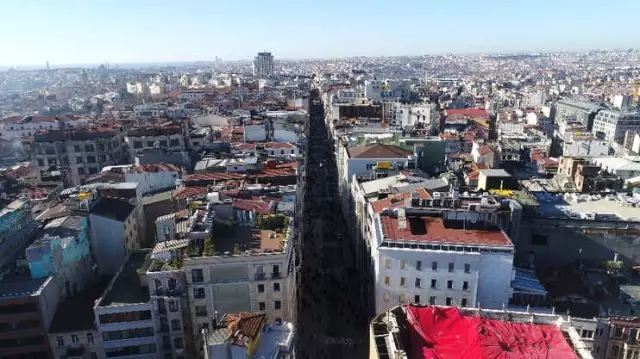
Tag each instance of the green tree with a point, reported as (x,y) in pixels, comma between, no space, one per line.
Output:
(208,247)
(236,249)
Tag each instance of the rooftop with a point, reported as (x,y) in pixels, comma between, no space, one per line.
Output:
(80,308)
(237,329)
(440,231)
(21,286)
(378,151)
(126,287)
(449,332)
(116,209)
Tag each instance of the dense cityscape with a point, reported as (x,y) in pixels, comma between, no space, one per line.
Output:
(456,206)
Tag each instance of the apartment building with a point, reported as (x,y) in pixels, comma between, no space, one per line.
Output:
(240,269)
(167,136)
(613,125)
(124,312)
(170,301)
(78,338)
(25,126)
(263,65)
(150,178)
(78,153)
(437,252)
(27,307)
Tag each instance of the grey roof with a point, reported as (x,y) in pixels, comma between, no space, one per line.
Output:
(495,173)
(428,184)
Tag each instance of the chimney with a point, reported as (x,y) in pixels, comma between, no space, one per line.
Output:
(402,218)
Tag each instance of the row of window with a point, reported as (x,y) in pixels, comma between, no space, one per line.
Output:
(433,285)
(163,143)
(433,300)
(197,274)
(404,264)
(74,339)
(276,287)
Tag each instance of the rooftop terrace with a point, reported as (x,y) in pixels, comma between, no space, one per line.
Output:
(126,287)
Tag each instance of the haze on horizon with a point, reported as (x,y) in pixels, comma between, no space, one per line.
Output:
(146,31)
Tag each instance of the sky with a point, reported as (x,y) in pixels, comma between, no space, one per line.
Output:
(65,32)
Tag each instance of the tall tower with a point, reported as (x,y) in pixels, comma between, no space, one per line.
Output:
(263,65)
(48,68)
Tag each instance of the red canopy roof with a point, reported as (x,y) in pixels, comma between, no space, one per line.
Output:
(444,333)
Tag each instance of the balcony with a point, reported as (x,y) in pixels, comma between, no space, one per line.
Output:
(276,275)
(260,276)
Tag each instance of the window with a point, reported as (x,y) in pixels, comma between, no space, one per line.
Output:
(416,299)
(277,305)
(449,301)
(74,338)
(91,159)
(434,266)
(432,300)
(463,303)
(60,340)
(403,281)
(175,324)
(79,160)
(401,298)
(538,239)
(198,293)
(276,287)
(173,306)
(387,263)
(197,276)
(201,310)
(434,284)
(387,296)
(449,284)
(177,343)
(76,148)
(451,267)
(90,338)
(387,280)
(80,171)
(262,306)
(168,356)
(174,143)
(260,288)
(465,285)
(94,355)
(467,268)
(587,333)
(418,282)
(89,148)
(275,271)
(40,162)
(403,264)
(419,265)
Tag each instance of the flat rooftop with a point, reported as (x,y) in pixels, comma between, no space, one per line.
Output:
(612,209)
(436,230)
(20,286)
(79,308)
(127,288)
(246,239)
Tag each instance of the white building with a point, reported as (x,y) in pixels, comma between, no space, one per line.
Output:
(147,111)
(433,256)
(193,95)
(263,65)
(623,102)
(150,178)
(24,126)
(613,125)
(124,313)
(410,115)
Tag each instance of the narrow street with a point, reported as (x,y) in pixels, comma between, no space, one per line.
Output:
(331,311)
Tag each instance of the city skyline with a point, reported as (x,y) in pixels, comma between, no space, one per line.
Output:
(71,32)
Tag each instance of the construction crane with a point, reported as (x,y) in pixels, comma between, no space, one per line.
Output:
(636,88)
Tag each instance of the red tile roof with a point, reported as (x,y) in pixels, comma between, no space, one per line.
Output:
(470,112)
(436,232)
(259,207)
(244,146)
(161,167)
(484,150)
(185,192)
(397,200)
(278,145)
(378,151)
(243,327)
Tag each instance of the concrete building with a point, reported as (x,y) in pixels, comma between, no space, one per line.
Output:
(263,65)
(248,336)
(114,233)
(27,307)
(427,331)
(124,313)
(242,270)
(76,154)
(424,255)
(612,126)
(73,332)
(168,137)
(409,116)
(63,250)
(148,111)
(581,111)
(151,178)
(584,145)
(623,102)
(169,298)
(25,126)
(17,228)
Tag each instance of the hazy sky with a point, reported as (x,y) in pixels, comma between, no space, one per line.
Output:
(117,31)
